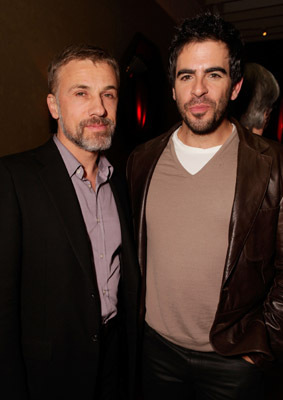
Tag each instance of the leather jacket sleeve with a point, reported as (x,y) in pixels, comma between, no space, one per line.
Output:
(273,307)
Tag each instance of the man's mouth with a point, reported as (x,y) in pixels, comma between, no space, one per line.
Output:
(96,123)
(199,108)
(97,127)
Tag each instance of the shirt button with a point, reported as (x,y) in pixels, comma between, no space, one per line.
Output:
(94,338)
(101,255)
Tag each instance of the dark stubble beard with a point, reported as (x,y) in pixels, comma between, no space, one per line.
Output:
(96,142)
(204,127)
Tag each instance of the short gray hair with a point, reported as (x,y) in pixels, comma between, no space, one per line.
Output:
(259,92)
(79,52)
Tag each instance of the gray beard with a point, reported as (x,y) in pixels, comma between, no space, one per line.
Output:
(101,140)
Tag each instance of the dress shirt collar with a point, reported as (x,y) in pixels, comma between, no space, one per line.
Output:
(105,169)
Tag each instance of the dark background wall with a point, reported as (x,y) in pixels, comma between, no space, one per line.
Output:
(32,31)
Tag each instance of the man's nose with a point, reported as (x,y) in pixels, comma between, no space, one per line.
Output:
(96,107)
(199,87)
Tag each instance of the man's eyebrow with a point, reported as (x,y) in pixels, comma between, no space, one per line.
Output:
(110,87)
(216,69)
(185,71)
(79,86)
(208,70)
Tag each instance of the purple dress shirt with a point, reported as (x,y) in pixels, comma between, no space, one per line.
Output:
(102,222)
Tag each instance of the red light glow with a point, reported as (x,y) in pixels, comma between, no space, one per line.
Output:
(141,113)
(280,123)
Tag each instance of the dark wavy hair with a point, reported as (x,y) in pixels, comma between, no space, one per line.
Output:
(79,52)
(204,27)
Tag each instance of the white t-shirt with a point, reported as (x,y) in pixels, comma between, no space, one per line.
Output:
(193,159)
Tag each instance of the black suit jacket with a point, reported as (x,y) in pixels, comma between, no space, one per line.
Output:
(50,317)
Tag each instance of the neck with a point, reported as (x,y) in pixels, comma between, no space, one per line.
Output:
(205,141)
(88,159)
(258,131)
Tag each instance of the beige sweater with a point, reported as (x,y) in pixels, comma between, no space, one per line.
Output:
(187,220)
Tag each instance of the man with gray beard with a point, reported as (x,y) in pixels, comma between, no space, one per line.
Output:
(68,269)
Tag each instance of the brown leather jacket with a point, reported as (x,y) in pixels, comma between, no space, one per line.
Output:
(249,317)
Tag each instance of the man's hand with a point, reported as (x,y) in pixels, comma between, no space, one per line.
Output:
(248,359)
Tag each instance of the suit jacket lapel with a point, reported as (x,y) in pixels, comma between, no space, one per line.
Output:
(63,196)
(253,174)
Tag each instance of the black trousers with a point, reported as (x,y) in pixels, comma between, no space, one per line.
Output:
(109,380)
(173,372)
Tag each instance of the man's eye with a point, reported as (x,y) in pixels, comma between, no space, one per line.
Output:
(80,94)
(109,95)
(215,76)
(185,77)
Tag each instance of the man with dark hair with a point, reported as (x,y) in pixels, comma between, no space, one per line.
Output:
(68,269)
(207,199)
(259,92)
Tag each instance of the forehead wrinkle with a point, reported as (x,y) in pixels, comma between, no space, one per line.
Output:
(205,52)
(80,71)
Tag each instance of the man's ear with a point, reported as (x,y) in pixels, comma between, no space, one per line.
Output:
(236,90)
(174,94)
(266,116)
(52,105)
